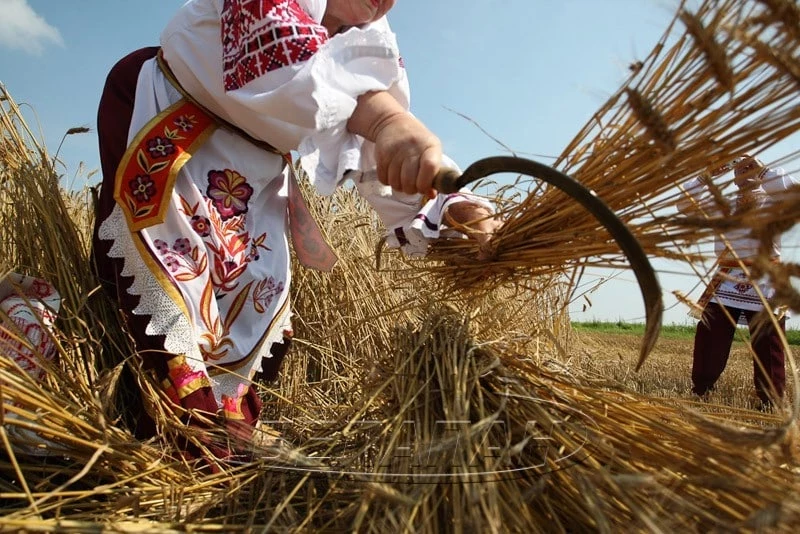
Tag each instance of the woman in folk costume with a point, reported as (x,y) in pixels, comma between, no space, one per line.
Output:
(197,199)
(731,289)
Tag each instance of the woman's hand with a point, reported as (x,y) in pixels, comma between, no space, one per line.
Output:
(476,221)
(408,155)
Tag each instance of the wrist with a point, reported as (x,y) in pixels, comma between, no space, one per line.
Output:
(374,111)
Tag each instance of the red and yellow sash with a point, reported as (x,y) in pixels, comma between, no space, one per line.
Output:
(146,175)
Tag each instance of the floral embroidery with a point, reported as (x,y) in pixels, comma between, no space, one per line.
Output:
(185,122)
(154,157)
(142,187)
(160,147)
(264,292)
(182,259)
(201,225)
(172,263)
(161,245)
(149,167)
(229,250)
(230,192)
(182,246)
(743,287)
(229,245)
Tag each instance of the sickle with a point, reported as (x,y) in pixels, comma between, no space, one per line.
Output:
(450,181)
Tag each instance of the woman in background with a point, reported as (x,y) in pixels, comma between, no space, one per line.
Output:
(732,297)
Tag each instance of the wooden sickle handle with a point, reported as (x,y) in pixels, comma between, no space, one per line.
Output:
(447,180)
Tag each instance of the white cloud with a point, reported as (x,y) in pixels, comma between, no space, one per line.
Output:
(22,28)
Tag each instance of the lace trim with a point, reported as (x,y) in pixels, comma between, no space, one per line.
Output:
(166,317)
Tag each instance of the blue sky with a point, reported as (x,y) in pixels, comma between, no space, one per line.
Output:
(529,72)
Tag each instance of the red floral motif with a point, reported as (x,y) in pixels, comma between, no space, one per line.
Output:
(185,122)
(229,191)
(160,147)
(201,225)
(142,187)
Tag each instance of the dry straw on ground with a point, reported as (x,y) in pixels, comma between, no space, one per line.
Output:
(407,412)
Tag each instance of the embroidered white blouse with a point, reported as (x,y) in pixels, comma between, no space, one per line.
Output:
(733,285)
(270,68)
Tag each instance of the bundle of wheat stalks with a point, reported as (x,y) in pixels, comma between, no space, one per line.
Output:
(722,81)
(402,410)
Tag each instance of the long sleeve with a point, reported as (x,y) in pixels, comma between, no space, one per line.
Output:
(693,195)
(777,181)
(411,221)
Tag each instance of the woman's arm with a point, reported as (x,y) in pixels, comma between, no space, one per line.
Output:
(693,193)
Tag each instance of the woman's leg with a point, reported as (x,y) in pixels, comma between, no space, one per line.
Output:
(769,367)
(113,123)
(712,346)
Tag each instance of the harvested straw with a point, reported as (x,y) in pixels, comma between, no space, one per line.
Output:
(404,412)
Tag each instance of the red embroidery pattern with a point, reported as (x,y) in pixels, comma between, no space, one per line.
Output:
(26,321)
(30,313)
(743,286)
(259,36)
